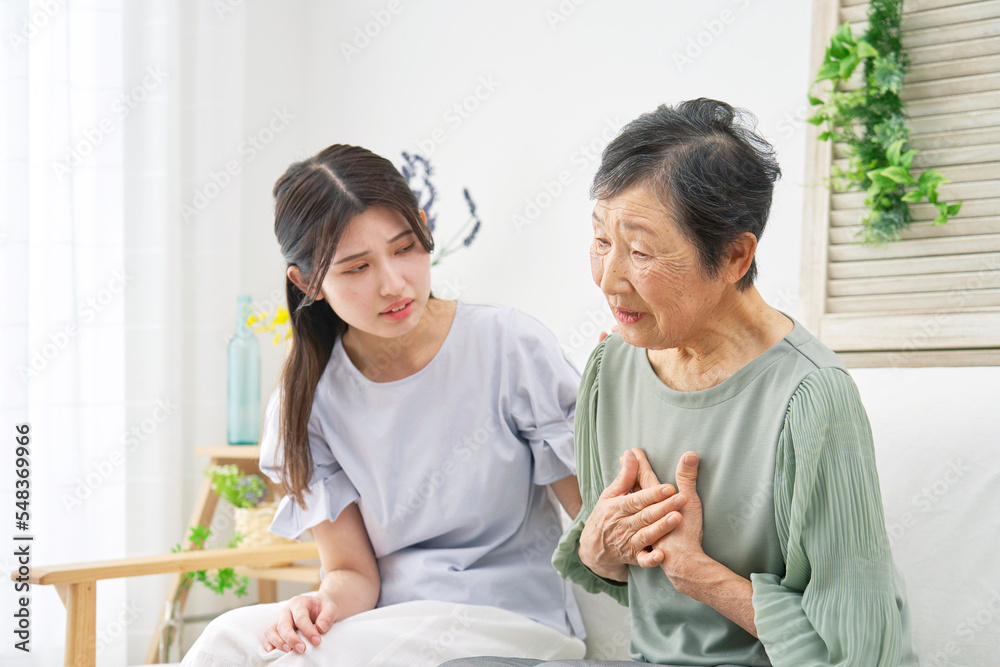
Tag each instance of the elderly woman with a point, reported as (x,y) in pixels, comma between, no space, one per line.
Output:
(773,548)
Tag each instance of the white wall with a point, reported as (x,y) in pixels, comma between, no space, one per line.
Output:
(936,437)
(563,77)
(562,89)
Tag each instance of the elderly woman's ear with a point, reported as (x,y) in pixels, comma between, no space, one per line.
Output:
(741,253)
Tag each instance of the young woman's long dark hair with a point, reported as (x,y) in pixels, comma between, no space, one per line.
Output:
(314,201)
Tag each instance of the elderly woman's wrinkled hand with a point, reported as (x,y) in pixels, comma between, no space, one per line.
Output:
(683,555)
(632,513)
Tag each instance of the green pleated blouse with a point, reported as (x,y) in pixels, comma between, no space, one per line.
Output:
(791,502)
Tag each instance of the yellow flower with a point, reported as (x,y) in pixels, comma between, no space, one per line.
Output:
(265,321)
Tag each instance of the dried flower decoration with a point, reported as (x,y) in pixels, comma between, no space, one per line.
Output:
(417,171)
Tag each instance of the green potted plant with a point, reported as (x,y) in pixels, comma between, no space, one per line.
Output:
(248,495)
(218,581)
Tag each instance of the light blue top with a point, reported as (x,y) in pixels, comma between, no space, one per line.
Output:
(448,466)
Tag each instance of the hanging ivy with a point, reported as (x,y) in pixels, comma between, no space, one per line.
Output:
(871,122)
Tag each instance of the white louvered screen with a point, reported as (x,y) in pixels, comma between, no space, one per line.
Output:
(938,289)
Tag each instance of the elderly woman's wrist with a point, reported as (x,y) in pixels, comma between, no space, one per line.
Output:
(690,573)
(591,560)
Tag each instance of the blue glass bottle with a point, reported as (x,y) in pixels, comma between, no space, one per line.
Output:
(244,380)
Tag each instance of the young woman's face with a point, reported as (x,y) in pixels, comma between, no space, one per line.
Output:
(380,278)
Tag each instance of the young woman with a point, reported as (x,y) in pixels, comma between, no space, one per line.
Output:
(414,437)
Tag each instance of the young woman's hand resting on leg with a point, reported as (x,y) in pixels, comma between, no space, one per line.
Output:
(351,585)
(311,614)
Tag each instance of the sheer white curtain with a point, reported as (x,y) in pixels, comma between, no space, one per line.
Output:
(112,114)
(64,298)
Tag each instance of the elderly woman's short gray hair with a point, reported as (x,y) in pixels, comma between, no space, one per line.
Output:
(705,162)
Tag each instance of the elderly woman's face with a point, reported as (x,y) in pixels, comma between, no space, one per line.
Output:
(649,272)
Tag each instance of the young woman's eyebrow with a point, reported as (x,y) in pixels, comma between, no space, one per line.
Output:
(362,254)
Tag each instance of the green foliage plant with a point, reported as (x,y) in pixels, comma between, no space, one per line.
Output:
(871,122)
(217,581)
(240,490)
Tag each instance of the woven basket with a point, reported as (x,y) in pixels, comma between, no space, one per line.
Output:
(253,523)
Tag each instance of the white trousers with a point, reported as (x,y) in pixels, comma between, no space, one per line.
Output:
(409,634)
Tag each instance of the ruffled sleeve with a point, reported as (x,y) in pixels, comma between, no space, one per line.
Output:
(329,491)
(566,558)
(540,387)
(841,600)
